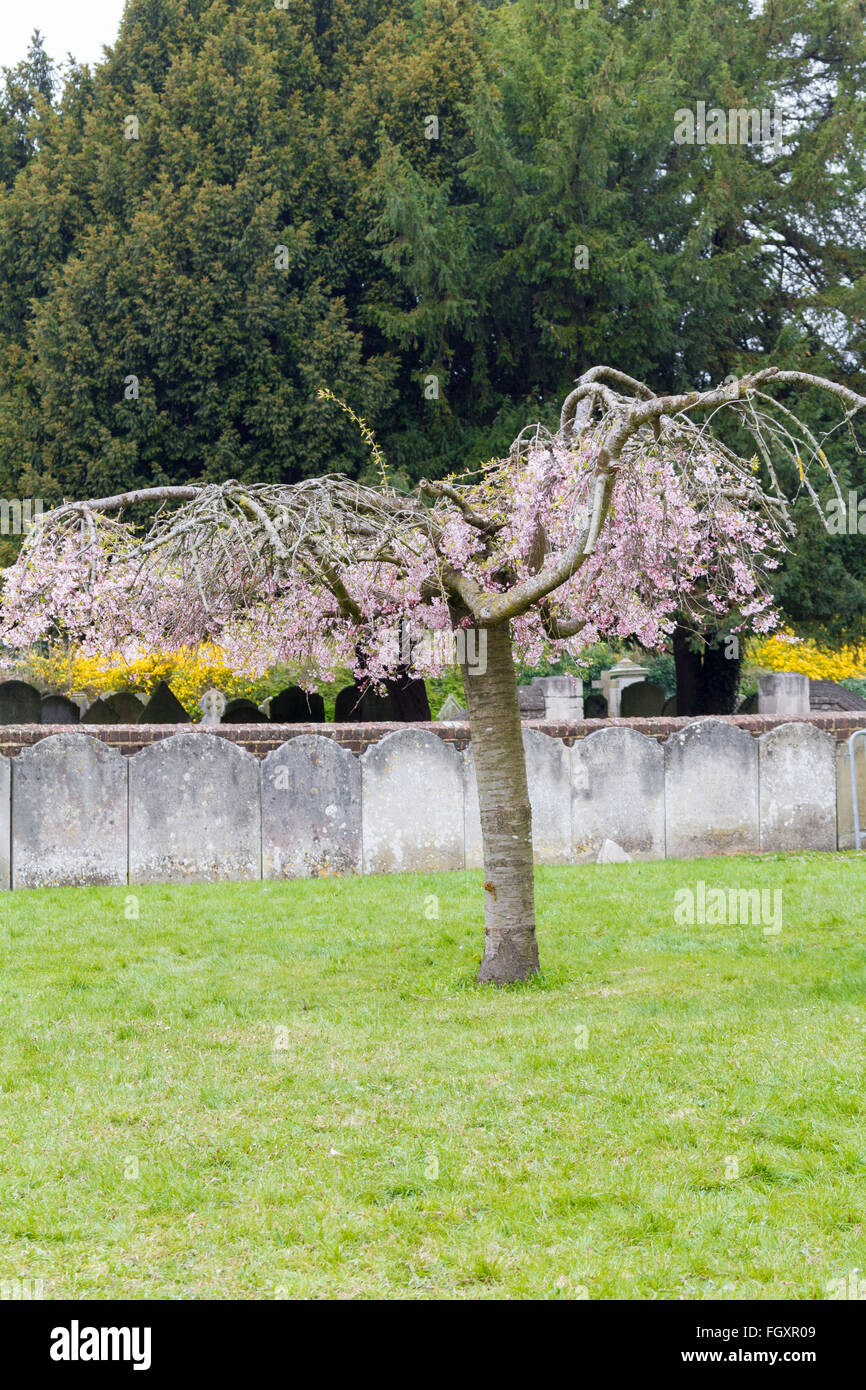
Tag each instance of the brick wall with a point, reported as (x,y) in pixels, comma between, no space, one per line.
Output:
(261,739)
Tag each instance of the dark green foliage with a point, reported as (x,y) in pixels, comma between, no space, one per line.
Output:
(447,281)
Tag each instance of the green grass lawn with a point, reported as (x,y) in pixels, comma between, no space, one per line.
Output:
(298,1090)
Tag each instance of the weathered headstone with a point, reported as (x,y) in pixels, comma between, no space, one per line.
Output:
(100,712)
(749,705)
(20,703)
(711,790)
(194,811)
(59,709)
(311,809)
(243,712)
(5,820)
(126,706)
(297,706)
(452,711)
(412,792)
(556,699)
(213,706)
(548,774)
(347,706)
(69,823)
(595,706)
(618,793)
(530,698)
(354,707)
(163,707)
(563,698)
(643,699)
(844,807)
(670,706)
(797,778)
(783,692)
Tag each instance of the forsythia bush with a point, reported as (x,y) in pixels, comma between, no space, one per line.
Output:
(782,653)
(189,672)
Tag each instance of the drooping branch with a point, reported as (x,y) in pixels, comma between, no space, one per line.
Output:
(633,507)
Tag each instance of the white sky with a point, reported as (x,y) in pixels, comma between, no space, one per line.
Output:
(79,27)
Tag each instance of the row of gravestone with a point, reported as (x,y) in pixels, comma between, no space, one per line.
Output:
(196,807)
(21,703)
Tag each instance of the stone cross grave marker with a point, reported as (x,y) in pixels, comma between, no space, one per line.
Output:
(212,705)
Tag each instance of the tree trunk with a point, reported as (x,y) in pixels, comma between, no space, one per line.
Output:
(707,681)
(688,668)
(510,947)
(720,678)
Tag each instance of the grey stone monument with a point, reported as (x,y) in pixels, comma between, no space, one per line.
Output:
(5,820)
(711,790)
(194,811)
(617,679)
(531,701)
(69,824)
(452,711)
(311,809)
(212,705)
(618,783)
(783,692)
(844,808)
(412,784)
(797,788)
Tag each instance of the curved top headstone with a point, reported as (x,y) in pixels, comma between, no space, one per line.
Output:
(297,706)
(59,709)
(20,703)
(69,823)
(243,712)
(194,810)
(643,699)
(711,790)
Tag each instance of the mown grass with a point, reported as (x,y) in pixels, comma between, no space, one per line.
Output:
(264,1091)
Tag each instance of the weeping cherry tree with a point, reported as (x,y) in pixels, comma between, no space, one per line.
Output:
(634,510)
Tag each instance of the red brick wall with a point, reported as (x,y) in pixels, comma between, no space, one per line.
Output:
(262,738)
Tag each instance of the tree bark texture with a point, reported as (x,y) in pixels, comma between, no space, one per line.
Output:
(510,946)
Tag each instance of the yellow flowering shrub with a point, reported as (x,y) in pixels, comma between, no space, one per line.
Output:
(808,658)
(189,671)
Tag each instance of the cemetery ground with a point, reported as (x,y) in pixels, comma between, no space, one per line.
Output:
(297,1090)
